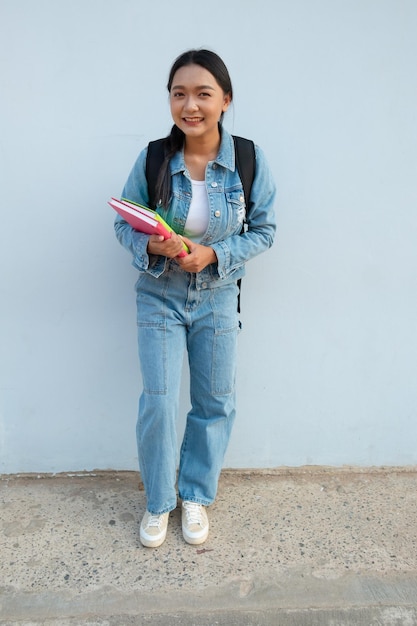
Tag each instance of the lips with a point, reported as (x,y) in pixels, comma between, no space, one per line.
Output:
(193,120)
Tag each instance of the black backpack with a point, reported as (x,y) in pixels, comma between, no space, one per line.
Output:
(245,163)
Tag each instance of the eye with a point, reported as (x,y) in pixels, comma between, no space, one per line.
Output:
(177,94)
(204,94)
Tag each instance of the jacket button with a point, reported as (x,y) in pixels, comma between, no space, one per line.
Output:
(214,184)
(217,213)
(241,198)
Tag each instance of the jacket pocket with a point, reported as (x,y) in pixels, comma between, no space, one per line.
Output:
(236,209)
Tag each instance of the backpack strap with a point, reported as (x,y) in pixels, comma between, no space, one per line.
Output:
(245,163)
(154,160)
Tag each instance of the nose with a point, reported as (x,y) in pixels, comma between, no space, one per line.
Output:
(191,104)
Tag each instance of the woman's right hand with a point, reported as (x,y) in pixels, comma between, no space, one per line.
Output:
(166,247)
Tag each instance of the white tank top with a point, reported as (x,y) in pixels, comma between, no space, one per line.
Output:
(199,212)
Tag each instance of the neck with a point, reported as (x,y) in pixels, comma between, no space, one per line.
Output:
(197,153)
(203,147)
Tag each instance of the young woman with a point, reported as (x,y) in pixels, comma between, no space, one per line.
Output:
(191,302)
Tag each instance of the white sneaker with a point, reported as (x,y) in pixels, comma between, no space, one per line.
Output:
(195,524)
(153,529)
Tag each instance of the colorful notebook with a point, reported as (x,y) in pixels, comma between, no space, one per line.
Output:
(144,220)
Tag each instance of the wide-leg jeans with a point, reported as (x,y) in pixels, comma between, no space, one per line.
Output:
(174,313)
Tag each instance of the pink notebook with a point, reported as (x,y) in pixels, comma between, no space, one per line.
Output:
(144,220)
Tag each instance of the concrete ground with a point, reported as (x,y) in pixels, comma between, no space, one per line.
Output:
(311,546)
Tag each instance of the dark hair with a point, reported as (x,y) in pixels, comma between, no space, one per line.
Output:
(175,140)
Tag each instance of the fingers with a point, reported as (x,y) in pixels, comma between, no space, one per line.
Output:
(165,247)
(188,242)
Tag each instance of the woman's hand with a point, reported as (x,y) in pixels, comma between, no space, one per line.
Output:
(199,257)
(166,247)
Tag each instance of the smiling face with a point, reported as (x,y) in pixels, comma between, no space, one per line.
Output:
(197,102)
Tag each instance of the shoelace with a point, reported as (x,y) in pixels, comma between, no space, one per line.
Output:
(155,521)
(193,512)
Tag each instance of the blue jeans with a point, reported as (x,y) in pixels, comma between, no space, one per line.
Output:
(174,315)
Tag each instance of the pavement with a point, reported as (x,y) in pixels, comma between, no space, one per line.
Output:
(291,547)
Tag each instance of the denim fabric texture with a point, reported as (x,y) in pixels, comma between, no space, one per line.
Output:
(227,212)
(173,316)
(179,311)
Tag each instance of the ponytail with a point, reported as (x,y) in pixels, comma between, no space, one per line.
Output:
(173,143)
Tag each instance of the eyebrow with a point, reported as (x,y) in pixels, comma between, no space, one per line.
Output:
(199,87)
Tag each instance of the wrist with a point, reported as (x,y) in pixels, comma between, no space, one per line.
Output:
(213,256)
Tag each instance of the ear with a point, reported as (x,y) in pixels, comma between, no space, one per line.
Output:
(226,102)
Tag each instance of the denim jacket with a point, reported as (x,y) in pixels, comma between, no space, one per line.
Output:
(233,247)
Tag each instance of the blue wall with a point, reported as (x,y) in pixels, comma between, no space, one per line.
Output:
(328,355)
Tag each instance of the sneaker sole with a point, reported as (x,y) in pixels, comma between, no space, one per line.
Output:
(195,541)
(152,543)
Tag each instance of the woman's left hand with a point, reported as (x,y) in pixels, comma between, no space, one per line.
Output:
(199,257)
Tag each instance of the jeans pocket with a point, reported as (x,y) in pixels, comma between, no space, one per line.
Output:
(152,346)
(224,361)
